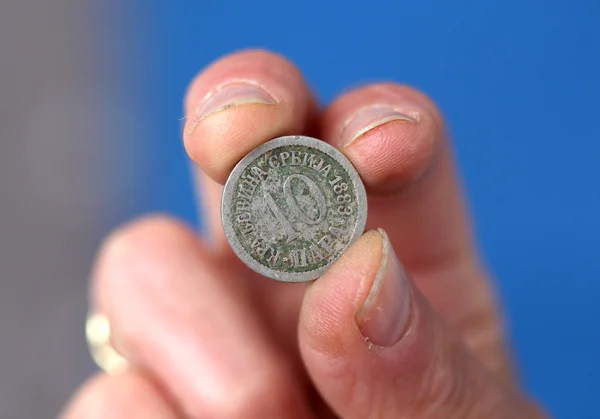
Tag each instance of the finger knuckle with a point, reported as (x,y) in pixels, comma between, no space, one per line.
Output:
(131,264)
(138,243)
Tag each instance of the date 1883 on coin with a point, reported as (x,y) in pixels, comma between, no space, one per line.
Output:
(292,206)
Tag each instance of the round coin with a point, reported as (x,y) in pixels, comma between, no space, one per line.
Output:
(292,206)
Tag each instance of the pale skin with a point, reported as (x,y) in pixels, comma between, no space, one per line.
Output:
(205,337)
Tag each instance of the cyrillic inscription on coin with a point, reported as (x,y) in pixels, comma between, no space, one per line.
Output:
(292,206)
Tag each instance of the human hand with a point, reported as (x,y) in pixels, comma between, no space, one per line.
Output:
(404,325)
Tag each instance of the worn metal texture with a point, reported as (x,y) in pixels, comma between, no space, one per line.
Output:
(292,206)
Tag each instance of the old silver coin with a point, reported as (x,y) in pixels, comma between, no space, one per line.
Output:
(292,206)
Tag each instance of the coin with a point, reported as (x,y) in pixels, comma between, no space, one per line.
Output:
(293,206)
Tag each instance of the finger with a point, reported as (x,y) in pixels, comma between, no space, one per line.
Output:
(375,348)
(236,104)
(175,310)
(395,137)
(127,396)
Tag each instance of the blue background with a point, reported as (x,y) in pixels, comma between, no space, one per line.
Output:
(519,83)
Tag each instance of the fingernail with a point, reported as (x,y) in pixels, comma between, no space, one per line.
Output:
(383,317)
(371,117)
(233,94)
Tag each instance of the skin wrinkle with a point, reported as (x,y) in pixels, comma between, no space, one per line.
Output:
(481,327)
(430,378)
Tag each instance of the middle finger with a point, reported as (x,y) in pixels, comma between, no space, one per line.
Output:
(394,136)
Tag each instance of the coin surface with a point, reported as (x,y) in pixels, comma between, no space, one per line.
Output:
(292,206)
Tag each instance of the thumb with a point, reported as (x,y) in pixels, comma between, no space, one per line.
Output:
(376,349)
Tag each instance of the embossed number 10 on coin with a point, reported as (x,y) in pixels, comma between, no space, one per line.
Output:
(292,206)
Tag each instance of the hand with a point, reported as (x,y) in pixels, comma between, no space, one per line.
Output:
(404,325)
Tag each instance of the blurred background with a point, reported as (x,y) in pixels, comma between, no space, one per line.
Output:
(90,101)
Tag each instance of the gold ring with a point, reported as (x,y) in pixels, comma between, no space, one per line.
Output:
(97,332)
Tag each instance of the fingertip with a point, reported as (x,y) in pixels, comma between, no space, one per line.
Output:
(343,357)
(218,142)
(327,323)
(239,102)
(251,62)
(391,133)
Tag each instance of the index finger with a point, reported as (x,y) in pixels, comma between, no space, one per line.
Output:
(237,103)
